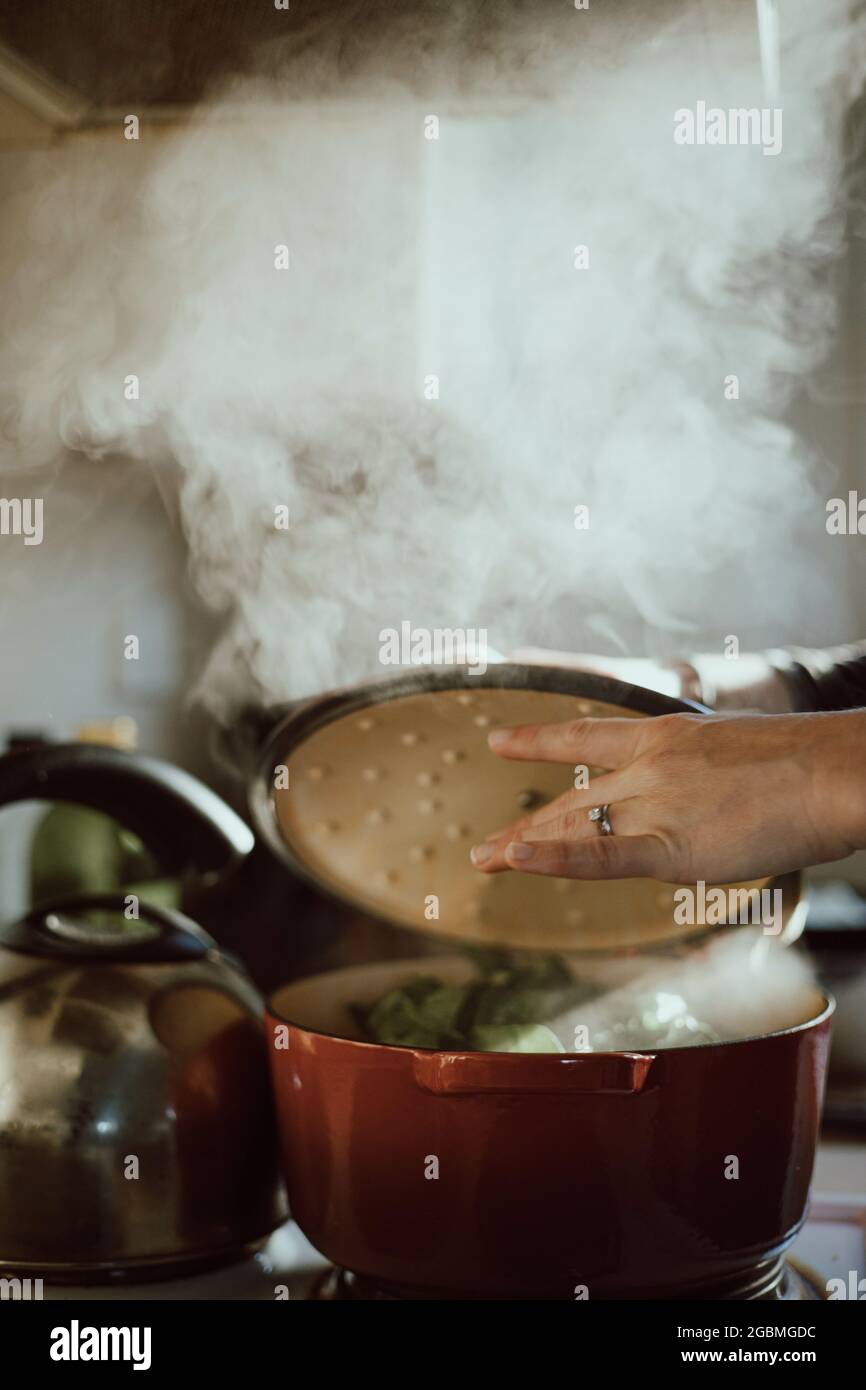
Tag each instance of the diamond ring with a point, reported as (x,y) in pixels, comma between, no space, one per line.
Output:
(600,816)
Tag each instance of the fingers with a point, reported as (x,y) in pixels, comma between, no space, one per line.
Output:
(561,818)
(557,834)
(604,856)
(609,743)
(603,790)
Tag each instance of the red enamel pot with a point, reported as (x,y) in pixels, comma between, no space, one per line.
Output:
(682,1172)
(473,1175)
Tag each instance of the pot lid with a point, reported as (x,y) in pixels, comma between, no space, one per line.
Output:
(379,794)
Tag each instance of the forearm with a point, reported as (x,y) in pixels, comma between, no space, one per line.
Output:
(777,682)
(838,760)
(748,682)
(790,681)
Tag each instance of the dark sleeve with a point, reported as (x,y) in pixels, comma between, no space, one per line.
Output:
(824,680)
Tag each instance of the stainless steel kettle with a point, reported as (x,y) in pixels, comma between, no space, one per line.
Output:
(136,1121)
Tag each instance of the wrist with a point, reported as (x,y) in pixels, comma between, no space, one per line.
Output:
(838,753)
(748,682)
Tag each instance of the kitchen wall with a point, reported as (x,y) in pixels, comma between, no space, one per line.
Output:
(112,565)
(113,562)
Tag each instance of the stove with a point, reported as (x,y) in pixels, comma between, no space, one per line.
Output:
(781,1282)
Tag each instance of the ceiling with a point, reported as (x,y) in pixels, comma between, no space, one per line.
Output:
(122,53)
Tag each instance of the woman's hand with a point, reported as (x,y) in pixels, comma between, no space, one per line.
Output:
(720,798)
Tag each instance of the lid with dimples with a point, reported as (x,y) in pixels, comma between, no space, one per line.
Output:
(378,795)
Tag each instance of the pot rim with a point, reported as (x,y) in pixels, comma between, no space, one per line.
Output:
(553,1058)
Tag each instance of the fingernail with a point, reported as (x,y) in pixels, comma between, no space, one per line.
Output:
(519,849)
(481,853)
(498,738)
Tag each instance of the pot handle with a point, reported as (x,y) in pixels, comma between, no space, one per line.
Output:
(58,930)
(180,820)
(485,1073)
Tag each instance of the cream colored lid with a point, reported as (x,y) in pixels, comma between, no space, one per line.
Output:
(384,804)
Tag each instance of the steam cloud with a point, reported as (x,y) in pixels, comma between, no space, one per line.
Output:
(739,985)
(455,258)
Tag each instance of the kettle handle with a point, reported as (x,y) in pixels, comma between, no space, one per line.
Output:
(55,930)
(179,819)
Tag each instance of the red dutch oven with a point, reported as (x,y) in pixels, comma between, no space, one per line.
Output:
(439,1174)
(683,1172)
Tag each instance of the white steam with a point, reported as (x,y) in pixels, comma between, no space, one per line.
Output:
(739,985)
(455,258)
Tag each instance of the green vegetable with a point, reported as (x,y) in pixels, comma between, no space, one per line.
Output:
(421,1014)
(515,1037)
(502,1010)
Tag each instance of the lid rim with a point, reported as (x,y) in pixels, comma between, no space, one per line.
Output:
(313,714)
